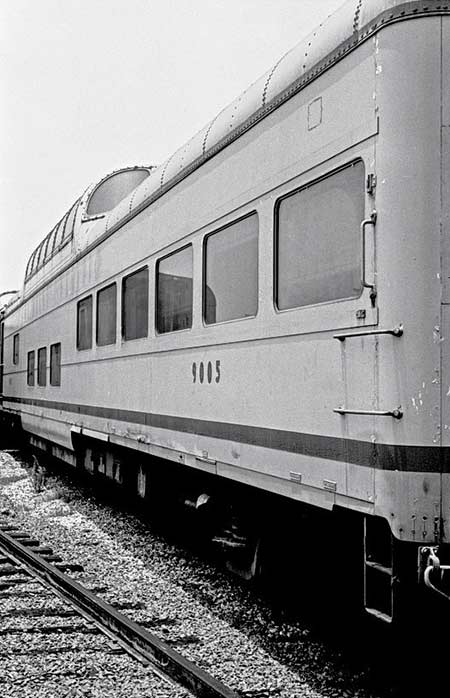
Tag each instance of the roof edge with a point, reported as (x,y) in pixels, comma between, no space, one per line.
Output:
(394,11)
(364,19)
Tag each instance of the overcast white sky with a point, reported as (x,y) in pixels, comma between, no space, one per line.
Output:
(90,86)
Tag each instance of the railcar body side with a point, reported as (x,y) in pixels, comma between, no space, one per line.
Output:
(317,402)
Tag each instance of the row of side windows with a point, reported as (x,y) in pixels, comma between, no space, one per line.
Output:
(230,279)
(134,312)
(231,257)
(55,365)
(317,259)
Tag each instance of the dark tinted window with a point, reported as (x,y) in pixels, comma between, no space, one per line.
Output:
(135,305)
(174,291)
(231,272)
(55,364)
(319,246)
(30,368)
(106,315)
(16,349)
(42,366)
(84,323)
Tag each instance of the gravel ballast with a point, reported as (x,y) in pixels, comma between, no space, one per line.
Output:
(202,612)
(48,650)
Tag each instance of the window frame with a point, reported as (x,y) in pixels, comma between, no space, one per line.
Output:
(16,349)
(122,309)
(40,255)
(253,212)
(46,254)
(32,262)
(106,344)
(70,222)
(78,322)
(52,377)
(161,259)
(42,375)
(53,240)
(31,378)
(59,235)
(277,204)
(28,268)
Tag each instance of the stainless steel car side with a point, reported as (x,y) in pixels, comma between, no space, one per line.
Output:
(290,268)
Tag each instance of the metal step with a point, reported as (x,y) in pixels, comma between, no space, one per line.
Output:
(379,614)
(378,569)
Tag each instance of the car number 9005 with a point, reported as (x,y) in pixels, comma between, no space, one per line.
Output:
(206,372)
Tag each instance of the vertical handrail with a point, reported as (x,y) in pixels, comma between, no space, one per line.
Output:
(367,221)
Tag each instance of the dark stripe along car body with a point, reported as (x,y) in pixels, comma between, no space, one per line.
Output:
(325,402)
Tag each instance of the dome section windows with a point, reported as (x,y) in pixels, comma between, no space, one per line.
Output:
(97,200)
(113,189)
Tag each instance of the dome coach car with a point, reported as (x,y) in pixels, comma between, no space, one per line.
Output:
(263,321)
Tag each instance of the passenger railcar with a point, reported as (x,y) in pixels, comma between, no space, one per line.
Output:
(271,306)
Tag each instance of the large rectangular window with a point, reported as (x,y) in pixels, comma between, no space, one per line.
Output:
(16,349)
(135,305)
(174,291)
(30,368)
(42,366)
(84,323)
(231,272)
(318,240)
(106,315)
(55,364)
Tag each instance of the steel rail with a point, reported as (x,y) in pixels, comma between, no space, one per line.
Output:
(136,639)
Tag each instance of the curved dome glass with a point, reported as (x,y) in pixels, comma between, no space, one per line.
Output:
(113,189)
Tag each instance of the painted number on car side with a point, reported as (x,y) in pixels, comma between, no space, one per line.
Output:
(206,372)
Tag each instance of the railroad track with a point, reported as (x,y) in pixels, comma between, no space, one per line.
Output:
(22,558)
